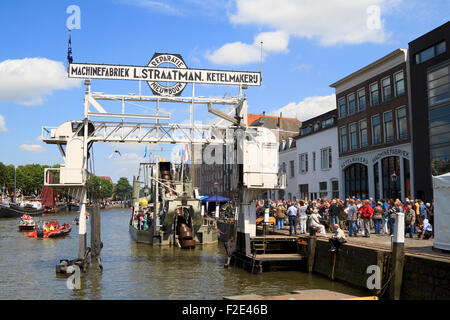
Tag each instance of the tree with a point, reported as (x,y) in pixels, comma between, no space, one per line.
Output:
(123,190)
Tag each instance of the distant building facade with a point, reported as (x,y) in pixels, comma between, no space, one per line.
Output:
(317,158)
(374,130)
(429,65)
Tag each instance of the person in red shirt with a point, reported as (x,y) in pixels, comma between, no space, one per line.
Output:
(365,214)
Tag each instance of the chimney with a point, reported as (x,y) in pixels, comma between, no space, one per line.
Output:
(280,125)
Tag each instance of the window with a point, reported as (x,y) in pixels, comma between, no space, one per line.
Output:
(374,94)
(402,126)
(356,181)
(303,191)
(361,99)
(386,89)
(399,84)
(303,163)
(438,86)
(388,127)
(335,188)
(431,52)
(283,167)
(376,130)
(364,142)
(327,123)
(342,111)
(316,126)
(323,190)
(343,134)
(314,161)
(325,158)
(353,137)
(292,168)
(351,104)
(305,130)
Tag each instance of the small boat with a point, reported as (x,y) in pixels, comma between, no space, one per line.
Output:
(50,230)
(26,223)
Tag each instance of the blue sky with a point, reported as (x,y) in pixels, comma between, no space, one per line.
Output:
(307,46)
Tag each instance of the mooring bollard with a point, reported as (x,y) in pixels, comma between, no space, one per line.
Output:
(311,252)
(398,257)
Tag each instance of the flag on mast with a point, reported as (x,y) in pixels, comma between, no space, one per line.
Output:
(69,50)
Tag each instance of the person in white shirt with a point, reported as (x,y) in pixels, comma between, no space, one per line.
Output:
(315,222)
(427,230)
(303,217)
(337,239)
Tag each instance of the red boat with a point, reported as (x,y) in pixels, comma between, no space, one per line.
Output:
(51,230)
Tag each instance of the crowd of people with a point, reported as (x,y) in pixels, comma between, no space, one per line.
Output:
(357,217)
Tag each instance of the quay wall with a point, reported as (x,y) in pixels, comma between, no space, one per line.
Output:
(424,277)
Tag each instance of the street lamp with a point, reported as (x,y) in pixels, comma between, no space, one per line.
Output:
(394,181)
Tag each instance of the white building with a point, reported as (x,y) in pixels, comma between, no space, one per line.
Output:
(317,158)
(310,160)
(287,161)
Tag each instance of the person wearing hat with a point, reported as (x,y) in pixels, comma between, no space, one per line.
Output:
(337,239)
(315,222)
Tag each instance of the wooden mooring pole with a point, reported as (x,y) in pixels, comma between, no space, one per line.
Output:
(95,231)
(398,257)
(311,252)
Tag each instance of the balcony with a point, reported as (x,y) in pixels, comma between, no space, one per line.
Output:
(65,177)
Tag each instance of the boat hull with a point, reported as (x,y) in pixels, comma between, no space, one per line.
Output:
(27,228)
(17,212)
(141,236)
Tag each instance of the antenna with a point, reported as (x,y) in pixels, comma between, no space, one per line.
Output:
(261,57)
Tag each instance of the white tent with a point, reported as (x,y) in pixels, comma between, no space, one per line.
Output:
(441,188)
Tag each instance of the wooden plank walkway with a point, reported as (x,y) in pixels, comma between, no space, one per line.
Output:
(278,257)
(315,294)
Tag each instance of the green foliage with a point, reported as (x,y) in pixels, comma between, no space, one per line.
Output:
(99,188)
(29,178)
(123,189)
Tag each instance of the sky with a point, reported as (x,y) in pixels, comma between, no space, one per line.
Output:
(307,45)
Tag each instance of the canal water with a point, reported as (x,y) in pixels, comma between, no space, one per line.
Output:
(133,271)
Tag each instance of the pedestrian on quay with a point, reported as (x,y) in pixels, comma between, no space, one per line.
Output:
(378,217)
(280,215)
(410,220)
(334,213)
(302,216)
(365,213)
(351,218)
(315,222)
(426,231)
(292,216)
(337,239)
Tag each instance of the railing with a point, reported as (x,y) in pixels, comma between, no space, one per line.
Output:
(60,177)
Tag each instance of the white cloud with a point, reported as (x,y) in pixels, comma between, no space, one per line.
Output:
(308,108)
(155,6)
(34,148)
(27,81)
(3,124)
(328,21)
(236,53)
